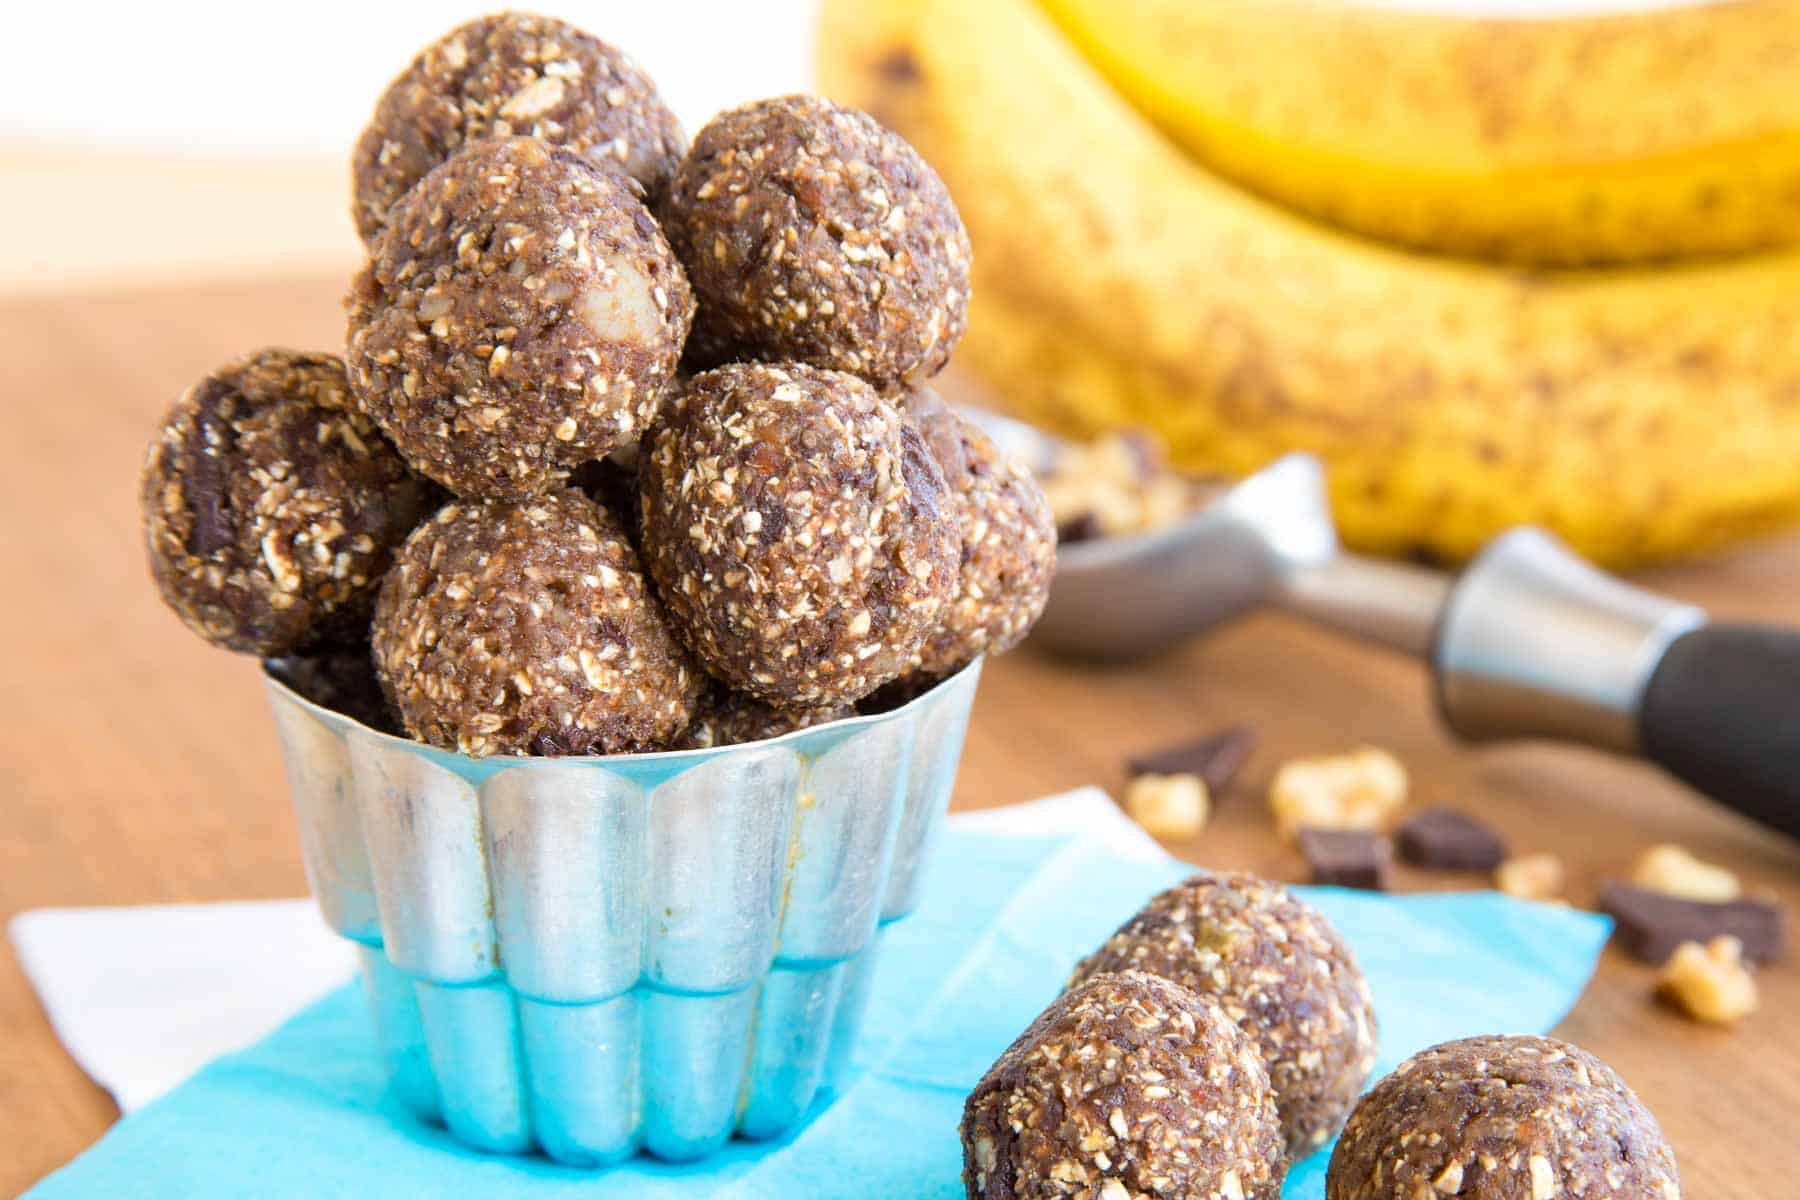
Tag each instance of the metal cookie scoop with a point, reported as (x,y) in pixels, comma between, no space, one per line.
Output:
(1527,641)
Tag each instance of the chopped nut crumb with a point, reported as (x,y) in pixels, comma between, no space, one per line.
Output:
(1710,982)
(1168,806)
(1531,877)
(1360,790)
(1672,870)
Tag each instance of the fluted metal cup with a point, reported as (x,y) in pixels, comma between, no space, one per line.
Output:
(593,956)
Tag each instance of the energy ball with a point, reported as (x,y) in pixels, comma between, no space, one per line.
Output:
(798,530)
(515,73)
(1008,540)
(1280,970)
(728,718)
(520,315)
(272,507)
(1128,1087)
(1502,1118)
(811,233)
(525,627)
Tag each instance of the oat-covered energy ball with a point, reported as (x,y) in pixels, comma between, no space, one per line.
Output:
(813,234)
(1129,1087)
(728,718)
(520,315)
(797,529)
(1502,1118)
(513,74)
(525,627)
(1008,539)
(1280,970)
(272,507)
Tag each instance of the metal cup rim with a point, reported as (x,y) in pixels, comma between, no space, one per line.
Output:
(340,723)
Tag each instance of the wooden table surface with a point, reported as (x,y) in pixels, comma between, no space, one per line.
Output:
(139,765)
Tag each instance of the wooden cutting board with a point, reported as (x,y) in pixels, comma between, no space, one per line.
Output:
(139,765)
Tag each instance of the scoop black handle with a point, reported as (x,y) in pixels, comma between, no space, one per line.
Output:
(1722,711)
(1533,642)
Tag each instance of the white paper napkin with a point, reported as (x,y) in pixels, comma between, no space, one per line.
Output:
(143,997)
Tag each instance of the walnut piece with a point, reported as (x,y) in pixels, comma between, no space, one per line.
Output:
(1168,806)
(1119,484)
(1710,982)
(1671,869)
(1359,790)
(1531,877)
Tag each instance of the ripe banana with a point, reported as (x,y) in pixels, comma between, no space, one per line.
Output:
(1556,141)
(1639,413)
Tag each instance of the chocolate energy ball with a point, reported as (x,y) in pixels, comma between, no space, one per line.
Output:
(1280,970)
(272,507)
(1128,1087)
(798,530)
(1502,1118)
(513,74)
(728,718)
(812,233)
(525,627)
(1008,540)
(521,314)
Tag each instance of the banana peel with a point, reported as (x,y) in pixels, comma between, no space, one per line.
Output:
(1639,413)
(1548,141)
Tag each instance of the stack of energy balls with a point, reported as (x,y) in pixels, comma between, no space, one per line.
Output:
(1226,1031)
(632,445)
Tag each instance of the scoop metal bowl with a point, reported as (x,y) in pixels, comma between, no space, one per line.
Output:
(1528,641)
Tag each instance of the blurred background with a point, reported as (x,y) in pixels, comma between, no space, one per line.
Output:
(212,139)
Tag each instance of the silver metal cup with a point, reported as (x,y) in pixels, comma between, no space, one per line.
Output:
(593,956)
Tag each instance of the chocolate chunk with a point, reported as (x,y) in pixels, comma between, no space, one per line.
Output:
(1084,527)
(1353,858)
(1651,924)
(214,528)
(1447,840)
(1215,758)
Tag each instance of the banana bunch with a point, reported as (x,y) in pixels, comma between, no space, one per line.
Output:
(1319,267)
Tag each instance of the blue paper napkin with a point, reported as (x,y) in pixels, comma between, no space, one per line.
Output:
(304,1113)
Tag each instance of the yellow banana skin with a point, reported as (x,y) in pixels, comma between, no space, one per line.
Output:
(1638,413)
(1629,137)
